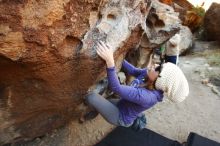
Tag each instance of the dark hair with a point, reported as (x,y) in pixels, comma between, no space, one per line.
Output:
(158,68)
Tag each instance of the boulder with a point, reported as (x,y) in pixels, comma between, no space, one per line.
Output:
(192,20)
(212,22)
(162,23)
(186,39)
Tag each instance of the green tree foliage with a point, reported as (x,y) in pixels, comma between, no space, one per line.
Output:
(199,11)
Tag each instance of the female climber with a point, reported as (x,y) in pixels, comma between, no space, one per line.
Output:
(143,93)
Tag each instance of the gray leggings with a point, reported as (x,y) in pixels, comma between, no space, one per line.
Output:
(107,108)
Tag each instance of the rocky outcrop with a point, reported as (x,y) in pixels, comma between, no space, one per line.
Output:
(188,14)
(186,37)
(212,22)
(184,4)
(167,2)
(158,24)
(192,20)
(48,61)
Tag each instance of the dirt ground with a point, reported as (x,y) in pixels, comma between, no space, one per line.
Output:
(199,113)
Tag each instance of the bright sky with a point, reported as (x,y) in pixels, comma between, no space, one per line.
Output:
(207,2)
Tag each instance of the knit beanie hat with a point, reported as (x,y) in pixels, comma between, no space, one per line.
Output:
(173,81)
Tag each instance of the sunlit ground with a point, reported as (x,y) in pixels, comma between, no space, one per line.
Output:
(206,5)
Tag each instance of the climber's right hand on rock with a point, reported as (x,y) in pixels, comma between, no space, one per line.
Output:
(106,53)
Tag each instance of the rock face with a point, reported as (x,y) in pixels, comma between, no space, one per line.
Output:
(158,24)
(186,38)
(212,22)
(188,15)
(192,20)
(48,60)
(184,4)
(167,2)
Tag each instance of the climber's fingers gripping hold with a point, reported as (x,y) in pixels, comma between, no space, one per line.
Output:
(100,51)
(104,51)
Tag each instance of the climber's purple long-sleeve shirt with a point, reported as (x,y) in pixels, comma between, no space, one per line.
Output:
(134,99)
